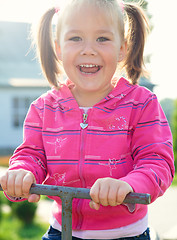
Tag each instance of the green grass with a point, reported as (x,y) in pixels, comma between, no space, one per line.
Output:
(13,229)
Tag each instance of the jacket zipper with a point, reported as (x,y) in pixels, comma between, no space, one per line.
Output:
(82,147)
(84,126)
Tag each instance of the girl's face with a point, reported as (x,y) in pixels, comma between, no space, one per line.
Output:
(90,48)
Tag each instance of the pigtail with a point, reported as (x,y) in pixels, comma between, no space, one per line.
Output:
(138,28)
(45,46)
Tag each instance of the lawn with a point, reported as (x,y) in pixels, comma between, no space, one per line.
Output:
(11,228)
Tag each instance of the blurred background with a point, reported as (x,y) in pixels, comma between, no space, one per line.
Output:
(21,80)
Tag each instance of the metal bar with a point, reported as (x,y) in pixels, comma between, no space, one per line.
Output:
(60,191)
(140,198)
(67,217)
(68,193)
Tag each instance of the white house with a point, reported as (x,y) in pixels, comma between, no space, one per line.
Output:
(21,82)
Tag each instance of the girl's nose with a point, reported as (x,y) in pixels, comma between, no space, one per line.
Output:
(88,49)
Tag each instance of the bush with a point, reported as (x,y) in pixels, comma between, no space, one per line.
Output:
(12,228)
(0,209)
(174,131)
(24,211)
(2,201)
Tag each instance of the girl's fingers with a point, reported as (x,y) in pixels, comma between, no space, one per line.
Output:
(103,194)
(99,191)
(120,196)
(123,190)
(3,181)
(28,180)
(33,198)
(112,196)
(94,192)
(109,191)
(18,185)
(10,185)
(94,205)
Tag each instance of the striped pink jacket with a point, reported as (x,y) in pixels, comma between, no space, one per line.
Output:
(124,136)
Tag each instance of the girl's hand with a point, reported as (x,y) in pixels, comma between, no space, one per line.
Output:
(17,183)
(108,191)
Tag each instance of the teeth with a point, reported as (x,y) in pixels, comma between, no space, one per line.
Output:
(88,66)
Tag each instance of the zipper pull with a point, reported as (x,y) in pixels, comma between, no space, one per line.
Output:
(84,124)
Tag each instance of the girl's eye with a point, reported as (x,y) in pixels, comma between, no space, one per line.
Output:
(102,39)
(75,39)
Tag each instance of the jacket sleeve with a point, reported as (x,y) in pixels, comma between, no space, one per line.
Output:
(31,155)
(152,151)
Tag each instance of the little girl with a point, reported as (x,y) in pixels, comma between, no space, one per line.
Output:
(95,131)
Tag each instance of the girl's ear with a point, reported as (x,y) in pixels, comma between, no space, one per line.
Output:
(123,51)
(58,50)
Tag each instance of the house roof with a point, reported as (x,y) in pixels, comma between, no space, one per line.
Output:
(17,60)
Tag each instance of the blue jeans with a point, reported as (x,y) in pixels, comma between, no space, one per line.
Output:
(53,234)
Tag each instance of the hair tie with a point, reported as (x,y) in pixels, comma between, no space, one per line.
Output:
(122,5)
(57,9)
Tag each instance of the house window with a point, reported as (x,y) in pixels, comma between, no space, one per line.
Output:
(19,110)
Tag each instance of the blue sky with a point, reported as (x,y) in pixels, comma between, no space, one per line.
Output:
(161,44)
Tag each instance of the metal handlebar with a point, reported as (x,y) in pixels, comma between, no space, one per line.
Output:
(68,193)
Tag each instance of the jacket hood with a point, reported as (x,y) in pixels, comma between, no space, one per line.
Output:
(65,99)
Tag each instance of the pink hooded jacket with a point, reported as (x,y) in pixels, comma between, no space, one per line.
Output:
(124,136)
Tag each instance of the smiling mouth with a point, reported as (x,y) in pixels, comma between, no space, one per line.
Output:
(89,68)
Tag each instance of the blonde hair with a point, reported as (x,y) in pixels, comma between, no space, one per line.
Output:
(131,15)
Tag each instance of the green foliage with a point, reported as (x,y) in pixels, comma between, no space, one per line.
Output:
(174,183)
(0,209)
(24,211)
(16,225)
(2,201)
(174,131)
(13,229)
